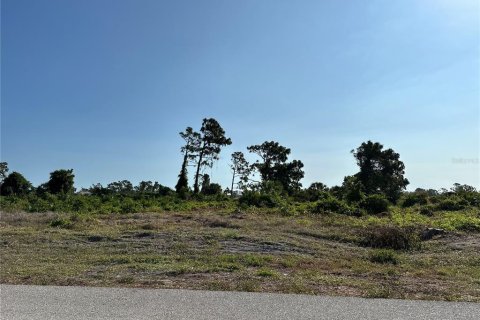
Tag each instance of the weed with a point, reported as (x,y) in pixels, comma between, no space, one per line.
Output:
(218,285)
(383,256)
(247,284)
(391,237)
(95,238)
(382,292)
(253,260)
(61,223)
(231,234)
(265,272)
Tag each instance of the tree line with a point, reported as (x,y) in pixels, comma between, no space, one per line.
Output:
(381,172)
(61,181)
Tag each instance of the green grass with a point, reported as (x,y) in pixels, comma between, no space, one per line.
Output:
(384,256)
(266,272)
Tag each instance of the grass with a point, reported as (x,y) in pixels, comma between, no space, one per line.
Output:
(251,250)
(384,256)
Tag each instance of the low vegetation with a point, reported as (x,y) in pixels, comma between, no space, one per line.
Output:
(248,250)
(367,237)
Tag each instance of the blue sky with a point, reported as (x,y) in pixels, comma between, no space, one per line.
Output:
(104,86)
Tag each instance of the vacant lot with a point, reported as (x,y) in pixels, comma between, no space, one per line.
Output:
(247,251)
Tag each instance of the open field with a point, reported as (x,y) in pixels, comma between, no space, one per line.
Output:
(253,250)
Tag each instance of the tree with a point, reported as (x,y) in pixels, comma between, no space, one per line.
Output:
(318,187)
(120,187)
(99,190)
(149,187)
(205,182)
(272,153)
(241,169)
(61,181)
(352,189)
(275,167)
(182,183)
(381,171)
(192,143)
(161,189)
(15,184)
(314,192)
(144,187)
(289,175)
(211,140)
(3,171)
(209,188)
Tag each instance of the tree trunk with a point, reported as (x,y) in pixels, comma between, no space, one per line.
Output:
(195,186)
(233,179)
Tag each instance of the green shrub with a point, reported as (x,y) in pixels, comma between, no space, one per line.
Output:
(452,203)
(352,189)
(80,204)
(470,226)
(383,256)
(37,204)
(212,189)
(332,204)
(427,210)
(412,199)
(391,237)
(128,205)
(256,199)
(467,193)
(13,204)
(375,204)
(61,223)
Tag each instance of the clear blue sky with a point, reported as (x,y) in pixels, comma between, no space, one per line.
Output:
(104,86)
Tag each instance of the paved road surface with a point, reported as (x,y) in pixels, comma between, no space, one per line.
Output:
(69,303)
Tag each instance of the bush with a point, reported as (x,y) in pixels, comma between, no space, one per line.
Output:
(257,199)
(468,193)
(383,256)
(15,184)
(37,204)
(375,204)
(427,210)
(352,189)
(61,223)
(212,189)
(391,237)
(452,204)
(271,195)
(332,204)
(460,221)
(128,205)
(469,226)
(412,199)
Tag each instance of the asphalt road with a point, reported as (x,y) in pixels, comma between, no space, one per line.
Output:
(68,303)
